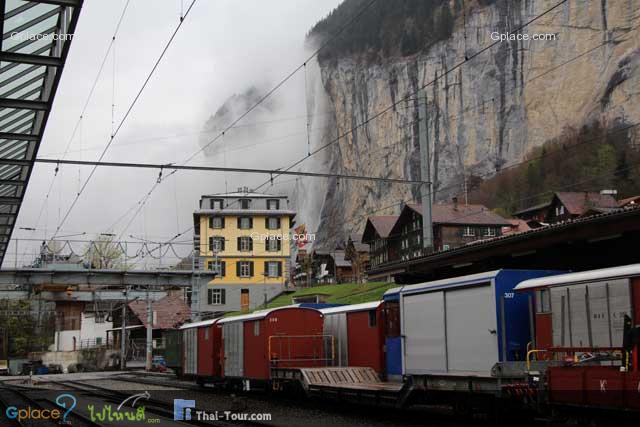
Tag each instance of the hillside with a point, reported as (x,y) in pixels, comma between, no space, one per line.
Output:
(498,108)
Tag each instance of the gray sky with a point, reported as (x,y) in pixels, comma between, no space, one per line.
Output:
(223,47)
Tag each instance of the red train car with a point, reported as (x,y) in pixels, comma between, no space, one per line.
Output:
(281,337)
(589,324)
(358,333)
(202,350)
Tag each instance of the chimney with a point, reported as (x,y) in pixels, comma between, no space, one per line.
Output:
(455,203)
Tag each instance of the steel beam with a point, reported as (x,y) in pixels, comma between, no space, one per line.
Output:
(19,136)
(113,278)
(26,58)
(10,200)
(23,104)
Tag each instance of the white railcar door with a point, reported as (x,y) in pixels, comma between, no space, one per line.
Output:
(423,329)
(472,339)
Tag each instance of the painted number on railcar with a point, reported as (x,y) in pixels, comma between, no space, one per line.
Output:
(509,295)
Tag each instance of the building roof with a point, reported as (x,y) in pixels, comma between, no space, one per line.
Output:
(383,224)
(260,314)
(171,312)
(246,212)
(578,202)
(339,260)
(538,207)
(516,226)
(246,194)
(449,213)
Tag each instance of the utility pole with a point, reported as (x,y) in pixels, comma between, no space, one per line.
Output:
(123,334)
(425,174)
(149,331)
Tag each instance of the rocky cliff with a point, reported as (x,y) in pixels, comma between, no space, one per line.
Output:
(482,116)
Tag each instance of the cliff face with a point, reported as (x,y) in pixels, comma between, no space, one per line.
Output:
(488,113)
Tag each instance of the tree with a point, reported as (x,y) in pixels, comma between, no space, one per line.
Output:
(104,253)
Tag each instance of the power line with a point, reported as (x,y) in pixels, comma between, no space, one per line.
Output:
(126,115)
(86,104)
(173,167)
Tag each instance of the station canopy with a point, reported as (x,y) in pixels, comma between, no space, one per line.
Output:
(36,36)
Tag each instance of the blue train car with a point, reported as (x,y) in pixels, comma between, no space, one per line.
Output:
(460,325)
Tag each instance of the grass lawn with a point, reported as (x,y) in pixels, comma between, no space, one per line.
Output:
(348,293)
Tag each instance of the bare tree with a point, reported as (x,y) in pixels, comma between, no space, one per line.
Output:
(104,253)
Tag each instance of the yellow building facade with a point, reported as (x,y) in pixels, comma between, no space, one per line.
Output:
(244,237)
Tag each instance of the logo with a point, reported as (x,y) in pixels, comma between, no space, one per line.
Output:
(29,413)
(182,409)
(69,407)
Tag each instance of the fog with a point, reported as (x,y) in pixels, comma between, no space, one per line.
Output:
(224,48)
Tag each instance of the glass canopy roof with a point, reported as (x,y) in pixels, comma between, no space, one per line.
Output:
(36,36)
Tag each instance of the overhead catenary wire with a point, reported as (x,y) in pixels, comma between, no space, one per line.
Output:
(126,115)
(86,103)
(219,169)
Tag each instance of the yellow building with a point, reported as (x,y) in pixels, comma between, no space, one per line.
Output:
(244,237)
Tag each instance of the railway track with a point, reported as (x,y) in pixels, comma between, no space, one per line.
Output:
(156,407)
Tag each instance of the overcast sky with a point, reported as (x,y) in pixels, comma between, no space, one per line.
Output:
(223,47)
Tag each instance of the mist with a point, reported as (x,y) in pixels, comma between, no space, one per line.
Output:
(224,48)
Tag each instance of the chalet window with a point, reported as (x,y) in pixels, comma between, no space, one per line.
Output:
(245,244)
(543,301)
(373,320)
(216,296)
(273,268)
(216,222)
(273,204)
(445,247)
(216,243)
(489,231)
(245,203)
(273,244)
(245,222)
(559,210)
(244,268)
(272,223)
(216,203)
(217,266)
(469,231)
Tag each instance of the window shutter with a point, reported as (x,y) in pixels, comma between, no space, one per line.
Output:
(222,219)
(210,222)
(266,223)
(238,268)
(210,296)
(251,268)
(239,222)
(278,222)
(222,241)
(239,244)
(223,296)
(280,269)
(250,243)
(279,244)
(266,268)
(210,243)
(223,268)
(250,222)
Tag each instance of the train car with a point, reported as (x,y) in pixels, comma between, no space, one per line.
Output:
(587,325)
(280,337)
(358,333)
(460,326)
(173,351)
(189,336)
(4,352)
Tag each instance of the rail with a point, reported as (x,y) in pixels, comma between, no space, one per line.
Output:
(304,350)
